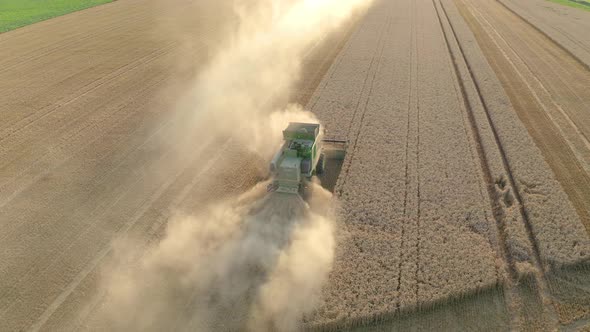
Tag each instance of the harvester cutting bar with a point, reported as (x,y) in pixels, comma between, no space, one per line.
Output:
(333,140)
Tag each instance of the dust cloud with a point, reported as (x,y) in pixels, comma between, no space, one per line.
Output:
(245,86)
(255,262)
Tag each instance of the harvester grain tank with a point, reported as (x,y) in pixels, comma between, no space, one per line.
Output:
(302,155)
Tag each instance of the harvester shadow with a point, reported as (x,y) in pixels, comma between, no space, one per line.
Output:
(331,172)
(569,288)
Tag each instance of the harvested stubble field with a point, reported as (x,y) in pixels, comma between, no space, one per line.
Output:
(455,210)
(90,152)
(566,25)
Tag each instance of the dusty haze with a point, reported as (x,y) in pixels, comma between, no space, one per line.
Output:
(256,261)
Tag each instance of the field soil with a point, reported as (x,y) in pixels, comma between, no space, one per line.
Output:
(566,26)
(454,207)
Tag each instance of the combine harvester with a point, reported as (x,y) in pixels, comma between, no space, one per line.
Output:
(303,155)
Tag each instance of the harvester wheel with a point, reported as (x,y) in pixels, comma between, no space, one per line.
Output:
(321,164)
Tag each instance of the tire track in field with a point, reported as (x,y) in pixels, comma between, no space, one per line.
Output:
(101,210)
(158,227)
(502,152)
(564,150)
(164,199)
(121,234)
(83,91)
(94,227)
(122,154)
(571,122)
(24,31)
(418,197)
(533,105)
(571,38)
(122,194)
(557,75)
(478,157)
(98,29)
(98,178)
(54,48)
(100,43)
(109,119)
(411,92)
(350,157)
(145,60)
(500,246)
(562,31)
(27,176)
(145,92)
(544,34)
(531,111)
(494,198)
(355,135)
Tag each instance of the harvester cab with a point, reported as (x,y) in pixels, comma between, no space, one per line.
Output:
(301,156)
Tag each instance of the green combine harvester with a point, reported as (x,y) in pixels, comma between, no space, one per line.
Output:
(302,156)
